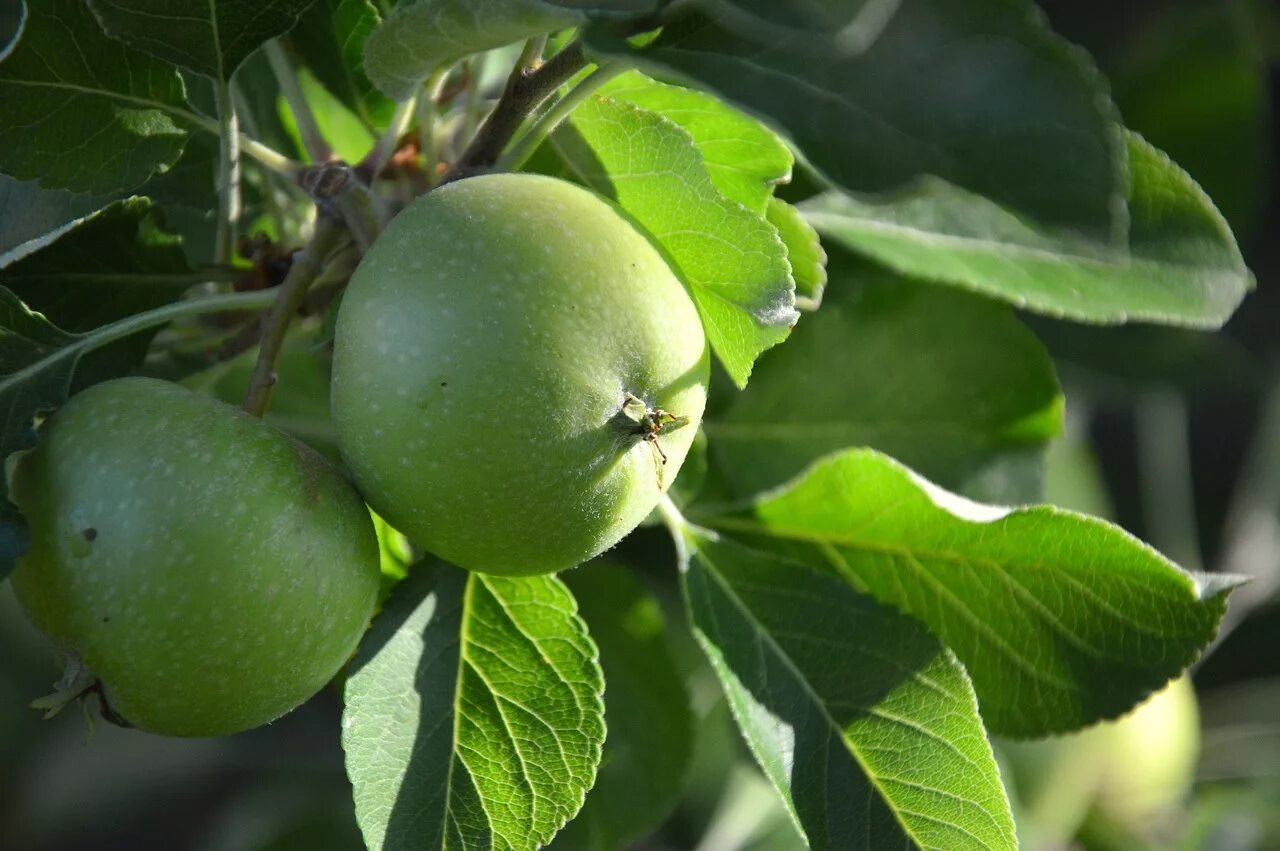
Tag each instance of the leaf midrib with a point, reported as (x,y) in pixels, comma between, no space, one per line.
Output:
(986,246)
(198,120)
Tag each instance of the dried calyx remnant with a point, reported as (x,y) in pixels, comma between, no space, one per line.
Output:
(648,423)
(78,683)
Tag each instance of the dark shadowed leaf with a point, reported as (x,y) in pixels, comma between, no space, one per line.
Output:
(946,382)
(82,112)
(647,712)
(210,37)
(877,94)
(115,263)
(865,723)
(30,215)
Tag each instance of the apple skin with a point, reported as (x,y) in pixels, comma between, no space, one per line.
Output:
(484,349)
(212,572)
(1152,756)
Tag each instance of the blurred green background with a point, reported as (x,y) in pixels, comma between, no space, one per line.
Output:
(1175,435)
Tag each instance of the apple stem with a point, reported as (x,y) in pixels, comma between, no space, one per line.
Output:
(527,88)
(676,524)
(308,265)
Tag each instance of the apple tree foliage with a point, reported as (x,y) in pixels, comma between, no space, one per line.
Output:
(862,198)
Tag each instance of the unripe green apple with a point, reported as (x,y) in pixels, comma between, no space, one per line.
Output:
(1151,757)
(1136,769)
(502,353)
(211,572)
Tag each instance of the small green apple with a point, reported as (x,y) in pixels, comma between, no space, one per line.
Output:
(1151,757)
(517,374)
(209,571)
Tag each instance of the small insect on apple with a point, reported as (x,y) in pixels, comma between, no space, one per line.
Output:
(650,424)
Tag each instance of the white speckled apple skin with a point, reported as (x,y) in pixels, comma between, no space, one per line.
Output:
(483,351)
(213,572)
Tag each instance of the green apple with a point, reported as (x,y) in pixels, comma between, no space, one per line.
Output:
(1136,770)
(517,374)
(1151,758)
(209,571)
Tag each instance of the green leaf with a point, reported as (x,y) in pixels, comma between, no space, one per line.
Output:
(977,92)
(474,717)
(944,381)
(1182,266)
(647,712)
(209,37)
(115,263)
(330,36)
(420,36)
(731,259)
(1061,619)
(192,181)
(81,112)
(865,723)
(805,253)
(29,215)
(744,159)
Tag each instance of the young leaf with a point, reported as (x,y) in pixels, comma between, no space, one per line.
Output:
(330,36)
(209,37)
(1182,266)
(805,253)
(946,382)
(420,36)
(647,712)
(978,92)
(474,717)
(744,158)
(865,723)
(1061,619)
(81,112)
(731,259)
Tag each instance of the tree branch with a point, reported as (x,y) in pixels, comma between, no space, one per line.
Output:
(526,89)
